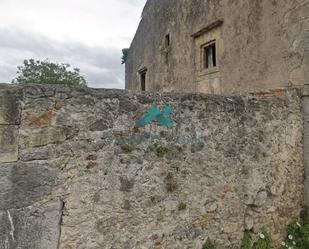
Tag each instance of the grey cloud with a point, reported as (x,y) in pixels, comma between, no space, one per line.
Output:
(101,66)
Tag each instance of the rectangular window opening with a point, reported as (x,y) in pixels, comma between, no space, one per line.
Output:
(143,79)
(167,40)
(209,56)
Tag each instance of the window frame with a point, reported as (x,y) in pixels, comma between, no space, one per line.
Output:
(143,79)
(204,59)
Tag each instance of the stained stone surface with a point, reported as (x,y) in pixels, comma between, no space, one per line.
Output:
(9,119)
(33,227)
(9,105)
(228,164)
(305,109)
(8,143)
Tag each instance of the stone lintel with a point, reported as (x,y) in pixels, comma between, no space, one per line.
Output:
(206,29)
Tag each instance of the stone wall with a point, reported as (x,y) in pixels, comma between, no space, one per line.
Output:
(261,45)
(76,172)
(305,110)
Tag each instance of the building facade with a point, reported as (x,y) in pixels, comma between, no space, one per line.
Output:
(220,46)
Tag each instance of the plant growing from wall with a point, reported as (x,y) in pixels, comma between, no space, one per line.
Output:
(297,237)
(182,206)
(247,241)
(209,245)
(127,148)
(160,150)
(264,241)
(298,233)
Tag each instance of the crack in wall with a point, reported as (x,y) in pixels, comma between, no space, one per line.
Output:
(12,225)
(62,205)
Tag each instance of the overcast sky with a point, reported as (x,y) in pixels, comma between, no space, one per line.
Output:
(88,34)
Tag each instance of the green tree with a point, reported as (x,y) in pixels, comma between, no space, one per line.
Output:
(46,72)
(125,53)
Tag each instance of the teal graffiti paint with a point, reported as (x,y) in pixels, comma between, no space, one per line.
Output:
(163,118)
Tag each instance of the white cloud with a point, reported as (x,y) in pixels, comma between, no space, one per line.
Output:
(86,33)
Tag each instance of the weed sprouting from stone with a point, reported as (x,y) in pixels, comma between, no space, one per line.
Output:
(247,240)
(264,241)
(161,150)
(209,245)
(182,206)
(298,233)
(127,148)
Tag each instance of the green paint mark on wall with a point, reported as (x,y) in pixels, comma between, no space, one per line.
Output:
(164,117)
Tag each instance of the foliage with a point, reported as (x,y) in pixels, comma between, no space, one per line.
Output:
(46,72)
(298,233)
(297,236)
(264,241)
(247,241)
(127,148)
(125,53)
(209,245)
(182,206)
(161,150)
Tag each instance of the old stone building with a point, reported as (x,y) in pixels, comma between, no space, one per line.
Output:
(220,46)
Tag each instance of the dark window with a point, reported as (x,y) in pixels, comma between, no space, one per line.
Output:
(167,47)
(167,40)
(209,56)
(143,79)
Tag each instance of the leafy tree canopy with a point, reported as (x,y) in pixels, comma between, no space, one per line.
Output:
(46,72)
(124,57)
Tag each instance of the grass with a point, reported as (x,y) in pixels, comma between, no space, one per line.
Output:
(298,233)
(247,241)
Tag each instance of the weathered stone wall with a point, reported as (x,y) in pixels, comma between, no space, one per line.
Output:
(261,45)
(75,173)
(305,110)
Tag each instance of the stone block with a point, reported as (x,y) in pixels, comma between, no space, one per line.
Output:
(45,137)
(9,106)
(22,184)
(31,227)
(8,143)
